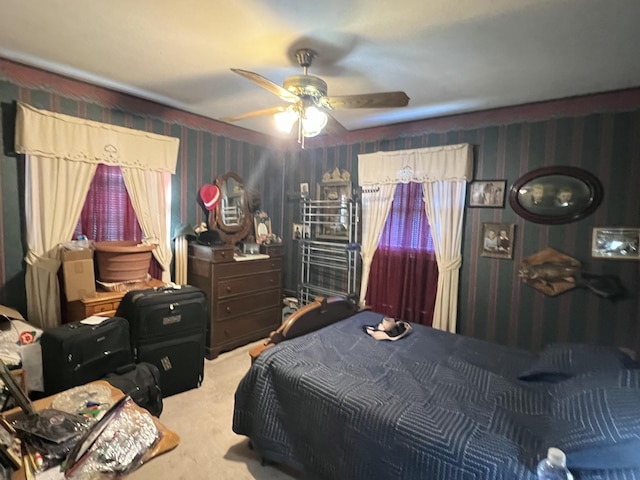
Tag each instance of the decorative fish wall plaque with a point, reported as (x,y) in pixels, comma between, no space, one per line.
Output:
(552,273)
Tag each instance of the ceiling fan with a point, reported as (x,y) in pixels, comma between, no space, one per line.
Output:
(309,102)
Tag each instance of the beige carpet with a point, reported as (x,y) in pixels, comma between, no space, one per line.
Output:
(202,417)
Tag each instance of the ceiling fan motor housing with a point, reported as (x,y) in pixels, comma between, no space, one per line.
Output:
(306,86)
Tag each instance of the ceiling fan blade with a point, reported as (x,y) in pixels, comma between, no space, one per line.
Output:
(367,100)
(256,113)
(267,84)
(334,127)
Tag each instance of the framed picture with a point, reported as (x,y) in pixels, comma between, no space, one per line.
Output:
(304,190)
(300,231)
(617,243)
(262,226)
(497,240)
(555,195)
(488,193)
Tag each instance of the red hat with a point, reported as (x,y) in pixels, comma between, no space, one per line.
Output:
(210,194)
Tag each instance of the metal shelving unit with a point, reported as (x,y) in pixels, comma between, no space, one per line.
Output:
(331,255)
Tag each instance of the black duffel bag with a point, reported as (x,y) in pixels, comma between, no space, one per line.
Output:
(141,381)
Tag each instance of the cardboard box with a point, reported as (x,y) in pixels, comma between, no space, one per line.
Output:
(78,274)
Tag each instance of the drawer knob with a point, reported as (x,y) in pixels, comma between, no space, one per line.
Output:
(228,309)
(223,254)
(228,289)
(271,280)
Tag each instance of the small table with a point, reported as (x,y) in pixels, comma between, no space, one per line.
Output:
(168,438)
(104,303)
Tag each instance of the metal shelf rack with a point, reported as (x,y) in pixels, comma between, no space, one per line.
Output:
(330,256)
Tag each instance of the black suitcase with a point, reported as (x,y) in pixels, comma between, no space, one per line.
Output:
(168,327)
(76,353)
(141,382)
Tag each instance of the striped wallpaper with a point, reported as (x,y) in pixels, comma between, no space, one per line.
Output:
(600,133)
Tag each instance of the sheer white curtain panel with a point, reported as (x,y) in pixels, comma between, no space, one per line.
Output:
(56,191)
(148,190)
(376,204)
(444,204)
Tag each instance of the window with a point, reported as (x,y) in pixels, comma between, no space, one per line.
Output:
(407,227)
(108,214)
(404,272)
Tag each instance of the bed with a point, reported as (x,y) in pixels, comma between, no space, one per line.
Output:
(336,404)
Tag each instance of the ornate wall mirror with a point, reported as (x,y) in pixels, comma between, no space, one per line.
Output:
(232,218)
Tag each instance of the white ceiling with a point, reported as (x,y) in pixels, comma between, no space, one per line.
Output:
(449,56)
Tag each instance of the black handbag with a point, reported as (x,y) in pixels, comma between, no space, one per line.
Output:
(141,382)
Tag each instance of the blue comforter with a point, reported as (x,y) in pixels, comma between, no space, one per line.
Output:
(337,404)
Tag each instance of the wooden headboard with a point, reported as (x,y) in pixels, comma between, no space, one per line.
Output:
(313,316)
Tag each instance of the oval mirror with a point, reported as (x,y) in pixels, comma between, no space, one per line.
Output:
(233,220)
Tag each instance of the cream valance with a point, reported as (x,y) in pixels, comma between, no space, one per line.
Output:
(55,135)
(448,163)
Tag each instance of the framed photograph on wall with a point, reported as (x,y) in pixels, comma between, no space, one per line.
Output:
(555,195)
(616,243)
(304,190)
(497,240)
(488,193)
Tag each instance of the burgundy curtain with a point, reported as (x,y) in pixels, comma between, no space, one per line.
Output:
(108,215)
(404,273)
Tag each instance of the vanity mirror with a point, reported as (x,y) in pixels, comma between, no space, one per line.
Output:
(232,219)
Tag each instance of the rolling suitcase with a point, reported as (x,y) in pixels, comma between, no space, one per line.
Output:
(168,326)
(77,353)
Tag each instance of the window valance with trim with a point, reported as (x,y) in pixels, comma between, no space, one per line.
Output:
(55,135)
(423,165)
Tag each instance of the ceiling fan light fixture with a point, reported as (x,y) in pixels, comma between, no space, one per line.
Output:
(313,121)
(285,120)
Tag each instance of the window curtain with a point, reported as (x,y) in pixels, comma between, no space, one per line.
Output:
(404,272)
(57,190)
(149,191)
(80,145)
(450,164)
(376,203)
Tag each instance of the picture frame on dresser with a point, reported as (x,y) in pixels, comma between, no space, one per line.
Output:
(261,225)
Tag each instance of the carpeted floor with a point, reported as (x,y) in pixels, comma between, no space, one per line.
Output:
(202,417)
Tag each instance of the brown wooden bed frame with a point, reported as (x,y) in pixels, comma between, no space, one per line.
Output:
(313,316)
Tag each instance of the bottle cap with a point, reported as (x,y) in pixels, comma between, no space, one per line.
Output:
(556,457)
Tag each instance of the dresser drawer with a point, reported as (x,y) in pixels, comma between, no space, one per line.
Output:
(258,324)
(101,308)
(248,267)
(211,254)
(239,286)
(248,303)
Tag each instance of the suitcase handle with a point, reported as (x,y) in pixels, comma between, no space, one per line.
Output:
(169,287)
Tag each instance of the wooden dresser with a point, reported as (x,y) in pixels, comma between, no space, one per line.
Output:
(244,296)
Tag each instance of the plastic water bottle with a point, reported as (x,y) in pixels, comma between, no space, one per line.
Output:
(554,467)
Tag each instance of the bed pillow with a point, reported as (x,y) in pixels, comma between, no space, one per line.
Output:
(561,361)
(594,419)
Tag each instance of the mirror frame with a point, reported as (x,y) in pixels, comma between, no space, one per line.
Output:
(232,234)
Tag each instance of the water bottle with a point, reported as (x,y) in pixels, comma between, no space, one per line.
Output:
(554,467)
